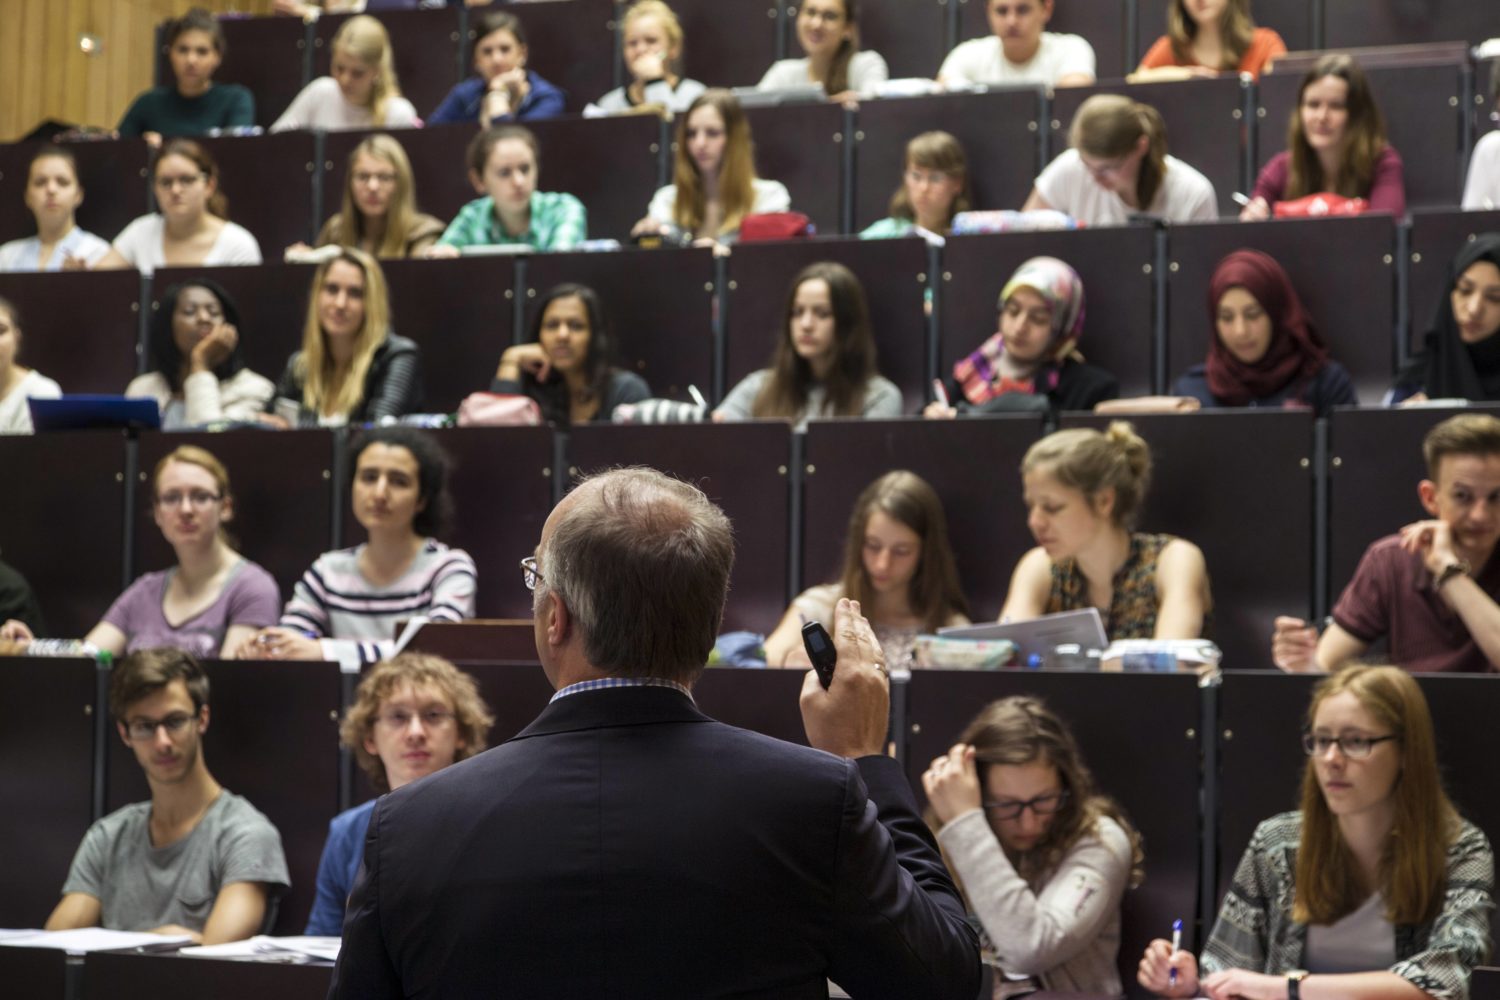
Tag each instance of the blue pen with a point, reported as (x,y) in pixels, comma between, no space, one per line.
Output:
(1176,947)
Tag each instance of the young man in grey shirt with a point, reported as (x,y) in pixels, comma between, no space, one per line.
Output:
(195,859)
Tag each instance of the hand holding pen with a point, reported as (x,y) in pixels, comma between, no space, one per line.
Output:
(1166,969)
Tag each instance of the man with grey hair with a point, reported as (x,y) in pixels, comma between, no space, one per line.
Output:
(626,845)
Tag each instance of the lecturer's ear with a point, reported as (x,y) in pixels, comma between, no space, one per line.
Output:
(558,618)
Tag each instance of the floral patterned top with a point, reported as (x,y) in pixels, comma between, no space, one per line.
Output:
(1134,602)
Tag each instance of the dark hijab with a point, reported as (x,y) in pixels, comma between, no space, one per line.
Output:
(1448,368)
(1297,351)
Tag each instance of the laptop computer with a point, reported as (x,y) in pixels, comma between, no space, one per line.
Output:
(1039,635)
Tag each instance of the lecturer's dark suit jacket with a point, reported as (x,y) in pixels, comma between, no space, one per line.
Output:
(626,845)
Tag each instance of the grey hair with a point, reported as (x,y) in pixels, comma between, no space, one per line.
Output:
(642,562)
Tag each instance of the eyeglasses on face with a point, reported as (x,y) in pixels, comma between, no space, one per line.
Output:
(1042,805)
(141,730)
(1353,745)
(198,499)
(399,719)
(168,182)
(529,573)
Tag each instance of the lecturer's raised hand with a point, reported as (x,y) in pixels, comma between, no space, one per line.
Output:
(850,718)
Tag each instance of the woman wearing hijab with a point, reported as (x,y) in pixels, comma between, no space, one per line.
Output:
(1033,355)
(1266,350)
(1460,356)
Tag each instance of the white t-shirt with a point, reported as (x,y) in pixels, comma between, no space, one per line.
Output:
(15,415)
(25,254)
(141,245)
(770,196)
(1482,190)
(867,70)
(982,61)
(321,105)
(1185,195)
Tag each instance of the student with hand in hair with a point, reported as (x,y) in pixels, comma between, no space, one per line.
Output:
(828,31)
(213,598)
(379,213)
(1118,166)
(1042,857)
(1335,143)
(502,89)
(1206,38)
(53,194)
(934,188)
(713,175)
(17,382)
(1460,355)
(1376,888)
(412,716)
(899,566)
(352,368)
(192,226)
(1034,351)
(1083,491)
(652,46)
(567,365)
(1265,350)
(349,603)
(361,90)
(824,362)
(193,104)
(505,167)
(198,376)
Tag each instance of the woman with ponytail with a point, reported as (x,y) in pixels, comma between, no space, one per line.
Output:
(1083,491)
(1119,166)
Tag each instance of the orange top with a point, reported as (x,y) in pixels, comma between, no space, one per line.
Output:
(1264,46)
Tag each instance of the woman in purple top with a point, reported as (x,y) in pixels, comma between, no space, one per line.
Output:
(502,89)
(1335,143)
(213,599)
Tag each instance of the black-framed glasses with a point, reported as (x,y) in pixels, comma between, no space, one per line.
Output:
(198,499)
(141,730)
(1042,805)
(530,575)
(432,718)
(1355,745)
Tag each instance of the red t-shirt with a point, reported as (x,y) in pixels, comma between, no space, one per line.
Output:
(1265,45)
(1391,595)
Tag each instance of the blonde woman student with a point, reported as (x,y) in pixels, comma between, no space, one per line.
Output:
(361,90)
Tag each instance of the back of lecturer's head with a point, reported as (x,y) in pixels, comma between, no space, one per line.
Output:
(642,562)
(147,671)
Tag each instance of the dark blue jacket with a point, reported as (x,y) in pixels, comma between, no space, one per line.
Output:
(462,103)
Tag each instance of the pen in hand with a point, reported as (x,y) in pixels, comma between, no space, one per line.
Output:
(1176,947)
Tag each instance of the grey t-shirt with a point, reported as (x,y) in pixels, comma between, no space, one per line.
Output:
(140,887)
(882,400)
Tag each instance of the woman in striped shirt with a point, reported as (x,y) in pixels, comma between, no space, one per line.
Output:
(347,605)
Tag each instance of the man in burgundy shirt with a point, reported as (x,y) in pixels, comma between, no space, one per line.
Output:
(1430,589)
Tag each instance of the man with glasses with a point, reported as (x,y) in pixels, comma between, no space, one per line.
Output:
(195,859)
(625,844)
(412,715)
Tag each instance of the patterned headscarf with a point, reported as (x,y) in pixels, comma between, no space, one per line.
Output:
(1062,290)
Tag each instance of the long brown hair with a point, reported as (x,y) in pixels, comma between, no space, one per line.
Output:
(1413,866)
(218,202)
(321,393)
(1108,126)
(934,593)
(1236,32)
(1022,729)
(1364,136)
(836,81)
(400,215)
(785,392)
(934,151)
(736,170)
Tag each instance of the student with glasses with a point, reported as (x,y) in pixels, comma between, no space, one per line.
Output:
(1375,889)
(1042,857)
(195,859)
(191,226)
(213,599)
(412,715)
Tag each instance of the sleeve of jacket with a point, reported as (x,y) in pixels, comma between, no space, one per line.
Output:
(395,388)
(899,927)
(365,970)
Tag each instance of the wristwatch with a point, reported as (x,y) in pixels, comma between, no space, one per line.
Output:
(1459,567)
(1294,984)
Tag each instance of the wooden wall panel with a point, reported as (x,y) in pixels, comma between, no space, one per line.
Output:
(44,75)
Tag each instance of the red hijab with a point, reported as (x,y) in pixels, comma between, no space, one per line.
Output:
(1297,351)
